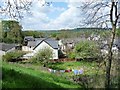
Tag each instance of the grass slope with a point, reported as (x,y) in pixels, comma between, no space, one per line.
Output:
(16,76)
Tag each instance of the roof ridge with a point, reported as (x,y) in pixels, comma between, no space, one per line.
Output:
(46,38)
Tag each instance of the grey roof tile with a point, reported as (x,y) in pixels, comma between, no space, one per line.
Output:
(52,42)
(35,42)
(6,47)
(31,43)
(28,38)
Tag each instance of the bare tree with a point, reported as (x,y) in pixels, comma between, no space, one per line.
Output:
(114,21)
(16,9)
(98,15)
(119,12)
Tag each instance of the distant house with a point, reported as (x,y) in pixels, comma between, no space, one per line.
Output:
(31,44)
(61,45)
(27,39)
(69,43)
(4,48)
(94,37)
(105,48)
(33,47)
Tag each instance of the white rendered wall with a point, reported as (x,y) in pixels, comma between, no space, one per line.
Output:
(45,45)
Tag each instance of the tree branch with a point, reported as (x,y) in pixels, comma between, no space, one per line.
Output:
(111,13)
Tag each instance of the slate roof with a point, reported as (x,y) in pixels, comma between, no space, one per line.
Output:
(28,38)
(35,42)
(38,40)
(52,42)
(6,47)
(72,40)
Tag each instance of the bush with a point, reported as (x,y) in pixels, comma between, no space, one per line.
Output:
(87,49)
(72,55)
(10,56)
(44,56)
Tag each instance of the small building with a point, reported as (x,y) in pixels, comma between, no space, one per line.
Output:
(69,44)
(31,44)
(48,43)
(27,39)
(33,47)
(105,49)
(4,48)
(94,37)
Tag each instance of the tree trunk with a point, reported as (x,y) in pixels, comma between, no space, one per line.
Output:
(110,54)
(109,61)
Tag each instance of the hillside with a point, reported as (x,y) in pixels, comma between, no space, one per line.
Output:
(16,76)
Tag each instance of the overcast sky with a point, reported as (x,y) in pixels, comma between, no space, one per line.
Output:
(61,14)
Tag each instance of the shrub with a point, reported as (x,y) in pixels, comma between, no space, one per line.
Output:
(10,56)
(72,55)
(44,56)
(87,49)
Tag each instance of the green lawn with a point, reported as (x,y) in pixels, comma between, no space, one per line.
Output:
(90,68)
(26,75)
(17,76)
(93,75)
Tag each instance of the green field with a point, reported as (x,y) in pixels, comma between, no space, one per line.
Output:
(93,76)
(90,68)
(18,76)
(27,75)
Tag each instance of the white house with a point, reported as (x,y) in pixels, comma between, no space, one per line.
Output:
(105,49)
(2,53)
(62,47)
(4,48)
(94,37)
(69,43)
(31,44)
(40,43)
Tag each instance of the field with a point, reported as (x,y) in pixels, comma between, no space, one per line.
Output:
(92,77)
(88,67)
(27,75)
(20,76)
